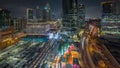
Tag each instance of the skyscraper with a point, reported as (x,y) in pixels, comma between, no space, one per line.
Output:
(118,7)
(68,5)
(5,18)
(46,12)
(29,14)
(110,17)
(38,17)
(108,8)
(70,17)
(81,16)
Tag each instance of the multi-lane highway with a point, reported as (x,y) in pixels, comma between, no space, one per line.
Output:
(97,54)
(91,53)
(41,56)
(44,56)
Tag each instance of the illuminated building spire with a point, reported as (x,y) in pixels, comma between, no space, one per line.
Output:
(46,12)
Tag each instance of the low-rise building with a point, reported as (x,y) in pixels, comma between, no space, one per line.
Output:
(6,37)
(37,28)
(19,24)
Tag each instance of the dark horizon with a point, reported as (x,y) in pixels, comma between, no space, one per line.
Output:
(18,7)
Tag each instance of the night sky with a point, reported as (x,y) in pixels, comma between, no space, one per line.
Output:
(17,7)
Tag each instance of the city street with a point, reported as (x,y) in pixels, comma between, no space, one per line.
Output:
(98,54)
(59,33)
(71,57)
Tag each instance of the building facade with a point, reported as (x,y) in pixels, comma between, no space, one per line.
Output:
(81,16)
(19,24)
(5,18)
(118,7)
(47,12)
(38,15)
(70,23)
(110,23)
(108,8)
(37,28)
(6,37)
(30,14)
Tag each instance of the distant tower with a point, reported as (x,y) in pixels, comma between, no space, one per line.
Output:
(5,18)
(29,14)
(108,8)
(46,12)
(81,16)
(118,7)
(53,16)
(70,23)
(38,16)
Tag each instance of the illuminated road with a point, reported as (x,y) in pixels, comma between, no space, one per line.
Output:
(36,61)
(70,59)
(92,54)
(16,55)
(98,55)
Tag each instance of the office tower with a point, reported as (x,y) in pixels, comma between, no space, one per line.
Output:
(110,18)
(66,6)
(118,7)
(81,16)
(70,17)
(46,12)
(5,18)
(108,8)
(53,16)
(38,17)
(30,14)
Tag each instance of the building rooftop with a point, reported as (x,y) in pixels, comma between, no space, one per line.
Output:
(3,27)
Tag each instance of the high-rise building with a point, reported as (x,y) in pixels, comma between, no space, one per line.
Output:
(6,37)
(118,7)
(30,15)
(70,17)
(46,12)
(108,8)
(38,15)
(110,23)
(33,15)
(53,17)
(68,5)
(81,16)
(5,18)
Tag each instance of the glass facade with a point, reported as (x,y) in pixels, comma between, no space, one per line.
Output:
(81,16)
(70,17)
(111,24)
(5,18)
(110,18)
